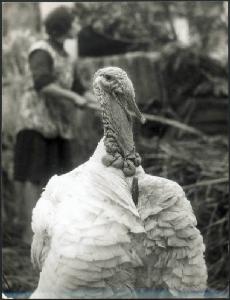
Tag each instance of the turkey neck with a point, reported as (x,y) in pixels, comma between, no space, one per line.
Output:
(118,135)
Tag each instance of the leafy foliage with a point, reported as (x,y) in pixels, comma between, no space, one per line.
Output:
(126,20)
(206,19)
(189,73)
(154,21)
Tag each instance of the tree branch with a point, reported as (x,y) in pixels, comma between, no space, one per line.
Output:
(206,182)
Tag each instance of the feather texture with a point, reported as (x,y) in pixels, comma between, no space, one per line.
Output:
(172,237)
(89,218)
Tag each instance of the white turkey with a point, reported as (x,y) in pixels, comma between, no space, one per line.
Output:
(91,241)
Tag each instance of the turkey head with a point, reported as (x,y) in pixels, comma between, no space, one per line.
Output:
(115,92)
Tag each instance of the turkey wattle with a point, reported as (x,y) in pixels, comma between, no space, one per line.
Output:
(91,241)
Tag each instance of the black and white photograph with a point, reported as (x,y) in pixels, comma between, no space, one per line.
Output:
(115,150)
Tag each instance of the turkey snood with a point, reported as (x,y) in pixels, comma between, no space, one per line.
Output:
(115,92)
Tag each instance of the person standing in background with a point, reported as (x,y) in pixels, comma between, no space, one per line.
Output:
(47,112)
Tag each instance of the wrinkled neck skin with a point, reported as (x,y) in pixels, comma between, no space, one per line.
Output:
(118,135)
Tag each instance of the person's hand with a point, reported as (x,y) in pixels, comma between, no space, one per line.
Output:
(92,101)
(80,101)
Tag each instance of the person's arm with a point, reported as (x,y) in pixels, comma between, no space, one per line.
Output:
(90,97)
(79,88)
(41,65)
(91,100)
(55,91)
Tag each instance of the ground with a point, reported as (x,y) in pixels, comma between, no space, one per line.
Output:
(19,276)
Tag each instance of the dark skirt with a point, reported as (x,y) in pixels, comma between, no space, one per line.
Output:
(36,158)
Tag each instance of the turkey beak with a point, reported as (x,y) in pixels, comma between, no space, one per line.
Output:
(136,111)
(138,114)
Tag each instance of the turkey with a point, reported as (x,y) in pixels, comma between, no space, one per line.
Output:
(91,241)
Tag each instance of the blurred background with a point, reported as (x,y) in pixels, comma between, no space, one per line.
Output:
(176,54)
